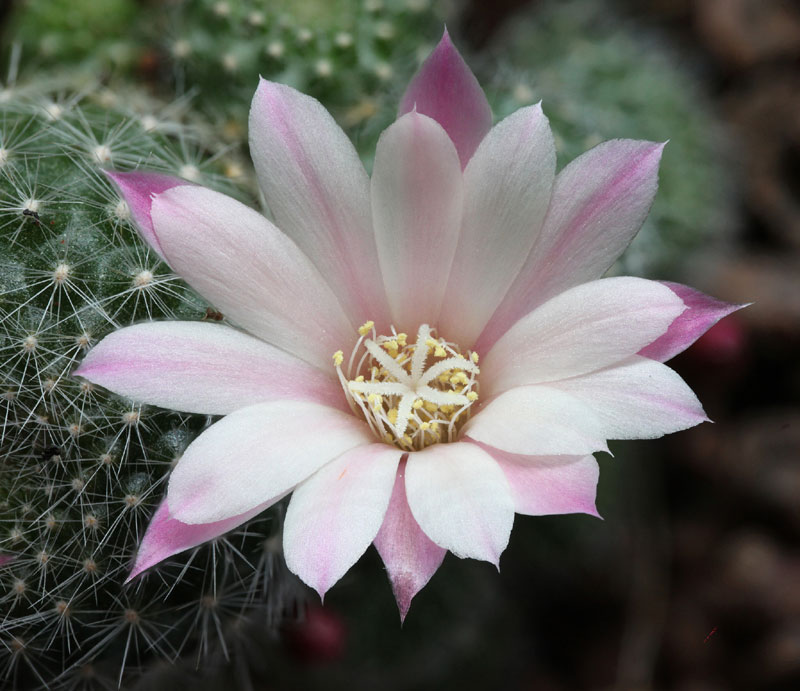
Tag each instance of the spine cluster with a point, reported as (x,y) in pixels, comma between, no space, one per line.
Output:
(82,470)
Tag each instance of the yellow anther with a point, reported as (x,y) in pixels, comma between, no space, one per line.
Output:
(459,378)
(474,357)
(392,383)
(459,355)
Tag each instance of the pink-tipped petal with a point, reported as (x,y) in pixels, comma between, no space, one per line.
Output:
(6,559)
(538,421)
(138,190)
(334,516)
(260,451)
(507,188)
(586,328)
(251,272)
(417,195)
(546,485)
(599,203)
(198,367)
(637,399)
(461,500)
(445,89)
(318,192)
(701,314)
(410,556)
(166,536)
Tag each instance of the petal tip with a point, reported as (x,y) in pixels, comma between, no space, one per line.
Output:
(445,40)
(139,566)
(265,85)
(594,512)
(404,590)
(445,89)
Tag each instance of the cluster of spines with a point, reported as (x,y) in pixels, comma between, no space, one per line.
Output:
(81,470)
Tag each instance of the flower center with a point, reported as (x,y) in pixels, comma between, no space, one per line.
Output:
(412,395)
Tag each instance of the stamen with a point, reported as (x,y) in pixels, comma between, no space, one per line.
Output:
(404,403)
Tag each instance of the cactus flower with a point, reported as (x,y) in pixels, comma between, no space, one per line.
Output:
(415,356)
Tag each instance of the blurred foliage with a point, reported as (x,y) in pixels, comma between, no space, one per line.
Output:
(80,34)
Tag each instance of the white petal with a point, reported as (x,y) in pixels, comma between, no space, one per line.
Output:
(637,399)
(546,485)
(538,421)
(599,202)
(198,367)
(335,515)
(507,187)
(256,453)
(318,192)
(417,195)
(584,329)
(461,499)
(250,271)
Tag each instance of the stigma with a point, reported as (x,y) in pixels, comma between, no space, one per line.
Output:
(412,394)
